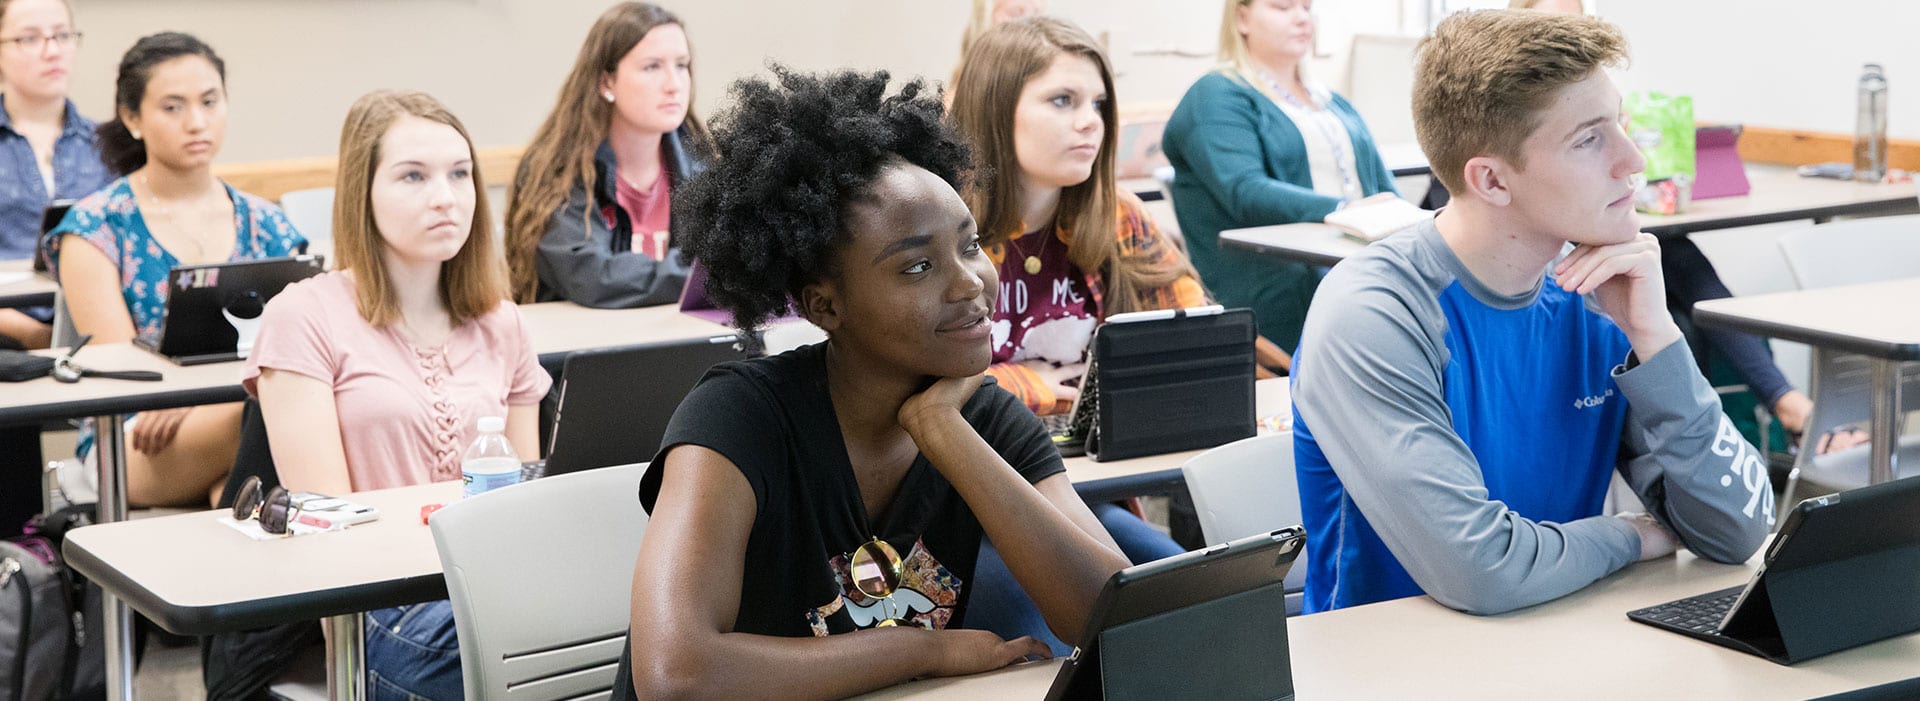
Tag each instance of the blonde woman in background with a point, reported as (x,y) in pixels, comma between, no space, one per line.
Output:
(1256,142)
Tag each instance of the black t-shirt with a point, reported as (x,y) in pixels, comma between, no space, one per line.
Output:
(773,418)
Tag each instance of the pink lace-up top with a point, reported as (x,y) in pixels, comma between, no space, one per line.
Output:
(406,413)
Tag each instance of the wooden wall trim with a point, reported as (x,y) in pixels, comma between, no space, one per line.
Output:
(271,179)
(1796,147)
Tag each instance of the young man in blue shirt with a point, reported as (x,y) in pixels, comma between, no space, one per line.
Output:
(1464,391)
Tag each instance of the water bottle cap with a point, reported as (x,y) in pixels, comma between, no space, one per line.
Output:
(493,424)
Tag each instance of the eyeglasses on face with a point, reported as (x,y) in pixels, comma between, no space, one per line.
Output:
(39,42)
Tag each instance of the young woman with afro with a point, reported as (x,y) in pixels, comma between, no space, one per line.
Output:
(815,515)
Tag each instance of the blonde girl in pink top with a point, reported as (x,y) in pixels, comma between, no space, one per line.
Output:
(375,375)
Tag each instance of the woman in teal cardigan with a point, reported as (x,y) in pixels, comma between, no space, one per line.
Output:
(1241,160)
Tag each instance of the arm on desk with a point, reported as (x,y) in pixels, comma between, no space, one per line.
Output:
(94,298)
(682,638)
(1372,395)
(303,426)
(1680,446)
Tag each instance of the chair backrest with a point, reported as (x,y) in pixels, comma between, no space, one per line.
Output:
(1380,85)
(311,212)
(1247,487)
(1854,251)
(540,574)
(1842,392)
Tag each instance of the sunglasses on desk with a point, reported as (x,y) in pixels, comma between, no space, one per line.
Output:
(274,507)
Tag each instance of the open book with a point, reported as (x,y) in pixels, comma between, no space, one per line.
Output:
(1375,218)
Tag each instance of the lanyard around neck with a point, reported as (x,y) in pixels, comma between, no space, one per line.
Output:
(1319,115)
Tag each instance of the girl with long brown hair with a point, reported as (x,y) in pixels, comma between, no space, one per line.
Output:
(1035,98)
(590,218)
(376,375)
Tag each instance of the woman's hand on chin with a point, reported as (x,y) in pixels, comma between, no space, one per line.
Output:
(937,402)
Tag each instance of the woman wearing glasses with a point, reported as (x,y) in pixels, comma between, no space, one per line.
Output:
(375,375)
(114,249)
(46,144)
(589,220)
(815,515)
(1258,142)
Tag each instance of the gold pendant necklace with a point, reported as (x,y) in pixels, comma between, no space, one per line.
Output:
(1032,262)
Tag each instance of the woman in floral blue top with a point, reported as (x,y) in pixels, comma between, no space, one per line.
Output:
(114,249)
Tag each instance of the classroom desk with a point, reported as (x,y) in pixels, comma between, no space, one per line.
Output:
(32,290)
(1159,475)
(1866,319)
(196,576)
(1578,647)
(1779,194)
(1402,159)
(556,329)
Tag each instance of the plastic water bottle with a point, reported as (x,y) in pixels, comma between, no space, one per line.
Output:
(1870,138)
(490,462)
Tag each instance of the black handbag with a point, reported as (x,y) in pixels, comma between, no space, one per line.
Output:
(20,366)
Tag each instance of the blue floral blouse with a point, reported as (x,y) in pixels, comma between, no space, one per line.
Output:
(110,220)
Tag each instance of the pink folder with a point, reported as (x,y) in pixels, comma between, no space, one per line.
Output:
(1717,169)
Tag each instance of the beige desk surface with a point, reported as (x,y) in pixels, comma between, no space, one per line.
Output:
(1779,194)
(1578,647)
(29,291)
(1869,319)
(194,574)
(1270,398)
(556,327)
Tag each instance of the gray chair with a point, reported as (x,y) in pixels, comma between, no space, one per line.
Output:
(540,574)
(311,212)
(1248,487)
(1849,252)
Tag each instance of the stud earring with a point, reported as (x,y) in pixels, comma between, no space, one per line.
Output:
(135,133)
(607,94)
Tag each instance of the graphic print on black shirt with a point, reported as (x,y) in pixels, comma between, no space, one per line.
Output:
(926,597)
(773,418)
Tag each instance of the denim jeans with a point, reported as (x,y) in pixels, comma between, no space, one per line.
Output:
(997,603)
(413,654)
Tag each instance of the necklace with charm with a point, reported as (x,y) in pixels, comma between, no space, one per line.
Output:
(1032,262)
(165,210)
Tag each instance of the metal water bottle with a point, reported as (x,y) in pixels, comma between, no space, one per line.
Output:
(1870,138)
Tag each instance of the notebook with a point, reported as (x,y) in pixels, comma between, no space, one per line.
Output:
(615,402)
(213,310)
(1207,624)
(1844,571)
(1375,218)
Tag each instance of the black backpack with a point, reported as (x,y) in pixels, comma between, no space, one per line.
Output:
(51,646)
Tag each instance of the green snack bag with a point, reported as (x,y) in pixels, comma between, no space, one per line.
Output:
(1662,125)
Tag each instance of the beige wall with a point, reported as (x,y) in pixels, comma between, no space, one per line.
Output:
(295,65)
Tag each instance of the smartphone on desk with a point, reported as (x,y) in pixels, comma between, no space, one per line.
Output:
(1835,170)
(322,511)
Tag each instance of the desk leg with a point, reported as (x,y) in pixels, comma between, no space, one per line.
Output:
(1886,421)
(109,450)
(346,657)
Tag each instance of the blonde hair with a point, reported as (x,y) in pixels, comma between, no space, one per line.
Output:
(1482,79)
(560,157)
(984,101)
(1235,61)
(470,283)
